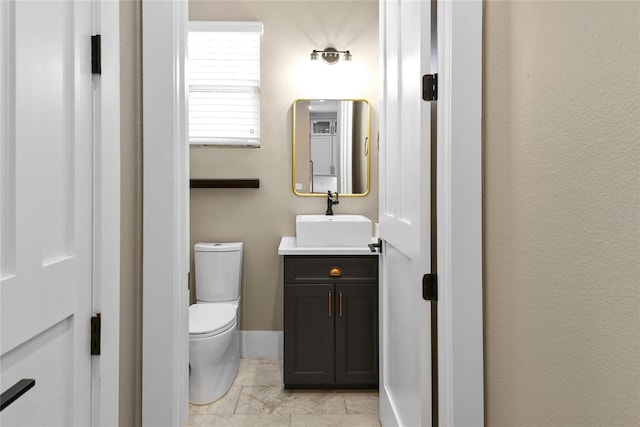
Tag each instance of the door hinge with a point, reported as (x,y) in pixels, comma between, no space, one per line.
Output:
(96,55)
(430,87)
(96,325)
(430,287)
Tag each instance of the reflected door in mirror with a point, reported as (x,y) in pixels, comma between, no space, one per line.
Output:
(330,147)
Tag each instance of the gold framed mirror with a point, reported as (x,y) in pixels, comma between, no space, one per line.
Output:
(331,147)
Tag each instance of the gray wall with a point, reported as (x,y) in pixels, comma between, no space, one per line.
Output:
(562,213)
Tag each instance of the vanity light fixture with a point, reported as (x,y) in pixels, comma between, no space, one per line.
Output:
(330,55)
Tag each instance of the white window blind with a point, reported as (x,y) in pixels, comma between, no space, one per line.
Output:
(223,75)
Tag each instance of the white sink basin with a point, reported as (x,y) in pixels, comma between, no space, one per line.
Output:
(333,230)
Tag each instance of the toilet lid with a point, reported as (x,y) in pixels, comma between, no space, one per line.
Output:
(209,318)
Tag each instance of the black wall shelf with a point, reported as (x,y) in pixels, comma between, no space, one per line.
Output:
(225,183)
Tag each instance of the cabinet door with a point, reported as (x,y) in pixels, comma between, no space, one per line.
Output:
(308,335)
(356,329)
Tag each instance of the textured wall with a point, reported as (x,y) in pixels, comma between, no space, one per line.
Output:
(259,217)
(562,213)
(561,202)
(131,214)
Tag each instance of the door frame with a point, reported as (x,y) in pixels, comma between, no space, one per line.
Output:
(459,213)
(165,267)
(105,368)
(459,187)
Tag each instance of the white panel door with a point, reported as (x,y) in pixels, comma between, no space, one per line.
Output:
(405,379)
(322,154)
(46,210)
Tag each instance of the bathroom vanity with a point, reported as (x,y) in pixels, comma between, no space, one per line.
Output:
(330,317)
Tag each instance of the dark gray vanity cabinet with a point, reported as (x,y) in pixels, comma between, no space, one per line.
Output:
(330,321)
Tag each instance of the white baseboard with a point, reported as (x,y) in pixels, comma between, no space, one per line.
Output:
(261,344)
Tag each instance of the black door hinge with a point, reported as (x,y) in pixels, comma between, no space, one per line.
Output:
(96,55)
(430,87)
(430,287)
(96,325)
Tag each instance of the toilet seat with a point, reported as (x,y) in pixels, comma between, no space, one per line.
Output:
(208,319)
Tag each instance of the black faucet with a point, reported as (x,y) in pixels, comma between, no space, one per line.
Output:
(330,202)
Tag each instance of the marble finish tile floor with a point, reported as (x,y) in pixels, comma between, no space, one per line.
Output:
(257,399)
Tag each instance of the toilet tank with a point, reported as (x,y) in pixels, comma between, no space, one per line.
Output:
(218,271)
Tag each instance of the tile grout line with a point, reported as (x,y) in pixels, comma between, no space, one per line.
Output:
(235,407)
(344,399)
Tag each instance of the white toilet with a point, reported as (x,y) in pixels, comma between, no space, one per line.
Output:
(214,345)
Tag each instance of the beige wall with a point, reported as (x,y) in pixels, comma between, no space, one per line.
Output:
(561,202)
(562,213)
(303,151)
(131,215)
(260,217)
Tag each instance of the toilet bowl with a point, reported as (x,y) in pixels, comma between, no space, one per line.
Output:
(214,350)
(214,343)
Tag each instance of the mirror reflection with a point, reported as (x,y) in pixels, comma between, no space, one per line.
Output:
(331,146)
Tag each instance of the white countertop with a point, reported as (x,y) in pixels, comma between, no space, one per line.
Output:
(288,246)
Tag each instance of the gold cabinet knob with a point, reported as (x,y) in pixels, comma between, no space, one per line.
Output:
(335,272)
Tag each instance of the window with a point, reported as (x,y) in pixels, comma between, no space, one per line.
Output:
(223,74)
